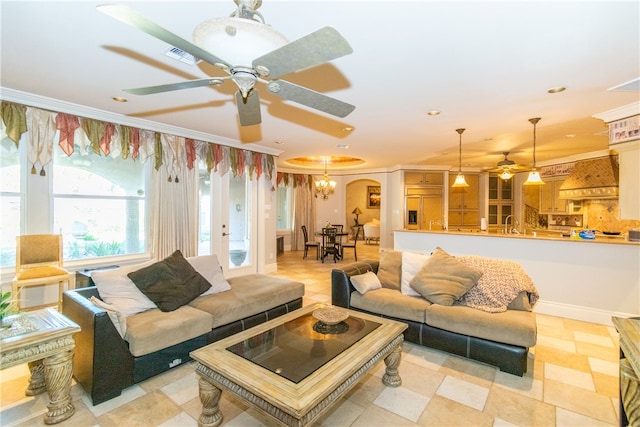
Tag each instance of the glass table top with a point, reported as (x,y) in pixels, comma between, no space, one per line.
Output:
(297,348)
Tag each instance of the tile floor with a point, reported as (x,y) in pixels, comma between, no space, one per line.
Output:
(572,380)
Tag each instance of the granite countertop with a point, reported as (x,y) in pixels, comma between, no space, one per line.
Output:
(540,235)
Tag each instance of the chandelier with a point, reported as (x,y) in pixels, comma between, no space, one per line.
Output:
(325,186)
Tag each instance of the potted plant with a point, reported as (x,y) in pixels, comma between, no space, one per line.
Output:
(7,307)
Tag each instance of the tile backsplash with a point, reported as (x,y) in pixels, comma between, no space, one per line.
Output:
(603,215)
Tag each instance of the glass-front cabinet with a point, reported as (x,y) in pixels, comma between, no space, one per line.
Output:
(500,200)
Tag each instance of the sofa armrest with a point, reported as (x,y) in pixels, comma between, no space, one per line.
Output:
(102,363)
(341,287)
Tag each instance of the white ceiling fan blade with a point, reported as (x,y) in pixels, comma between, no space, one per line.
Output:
(174,86)
(310,98)
(313,49)
(134,19)
(249,108)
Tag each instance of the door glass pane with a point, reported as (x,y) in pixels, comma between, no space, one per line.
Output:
(204,219)
(239,221)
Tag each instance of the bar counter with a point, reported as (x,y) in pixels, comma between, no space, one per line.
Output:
(588,280)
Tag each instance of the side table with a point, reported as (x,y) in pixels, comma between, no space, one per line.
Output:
(46,343)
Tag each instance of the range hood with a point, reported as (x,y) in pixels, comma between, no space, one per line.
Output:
(592,179)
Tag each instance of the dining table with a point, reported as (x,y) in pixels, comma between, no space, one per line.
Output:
(326,249)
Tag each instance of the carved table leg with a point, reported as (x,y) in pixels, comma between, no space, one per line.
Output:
(57,373)
(210,398)
(36,380)
(391,377)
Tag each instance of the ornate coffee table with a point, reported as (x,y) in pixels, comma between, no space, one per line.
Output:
(295,367)
(44,340)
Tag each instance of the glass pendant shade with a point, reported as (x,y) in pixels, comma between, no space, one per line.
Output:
(460,182)
(534,178)
(534,175)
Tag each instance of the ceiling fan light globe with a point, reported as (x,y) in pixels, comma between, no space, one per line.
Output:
(506,175)
(236,40)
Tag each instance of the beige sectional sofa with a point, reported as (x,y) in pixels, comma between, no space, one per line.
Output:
(491,321)
(122,343)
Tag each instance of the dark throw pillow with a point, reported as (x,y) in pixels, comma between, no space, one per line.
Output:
(443,279)
(170,283)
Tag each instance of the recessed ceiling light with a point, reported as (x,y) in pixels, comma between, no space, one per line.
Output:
(556,89)
(119,99)
(570,135)
(434,113)
(343,146)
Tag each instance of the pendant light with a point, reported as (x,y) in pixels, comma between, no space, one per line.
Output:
(460,181)
(534,175)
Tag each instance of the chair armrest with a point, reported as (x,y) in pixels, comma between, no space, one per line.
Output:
(341,287)
(102,363)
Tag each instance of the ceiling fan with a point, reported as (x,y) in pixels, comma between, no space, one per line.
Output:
(254,52)
(507,167)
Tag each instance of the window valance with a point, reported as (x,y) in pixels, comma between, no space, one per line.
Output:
(81,134)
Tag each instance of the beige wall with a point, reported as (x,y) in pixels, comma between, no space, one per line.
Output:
(356,196)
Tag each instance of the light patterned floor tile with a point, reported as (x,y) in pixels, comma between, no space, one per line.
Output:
(604,366)
(568,419)
(603,340)
(182,390)
(181,420)
(519,409)
(579,400)
(569,376)
(525,385)
(560,344)
(463,392)
(129,394)
(403,402)
(343,413)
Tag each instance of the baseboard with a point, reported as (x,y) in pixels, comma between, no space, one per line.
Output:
(585,314)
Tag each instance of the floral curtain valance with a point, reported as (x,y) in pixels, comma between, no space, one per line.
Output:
(110,139)
(294,179)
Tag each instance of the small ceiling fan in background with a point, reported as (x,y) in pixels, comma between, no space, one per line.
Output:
(253,52)
(506,167)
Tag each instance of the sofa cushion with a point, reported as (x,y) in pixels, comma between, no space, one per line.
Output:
(250,294)
(443,279)
(365,282)
(411,264)
(170,283)
(155,330)
(209,267)
(502,280)
(510,327)
(389,302)
(115,288)
(390,269)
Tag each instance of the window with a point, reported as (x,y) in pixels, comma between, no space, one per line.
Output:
(10,201)
(99,205)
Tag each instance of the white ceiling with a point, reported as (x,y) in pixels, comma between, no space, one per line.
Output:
(486,65)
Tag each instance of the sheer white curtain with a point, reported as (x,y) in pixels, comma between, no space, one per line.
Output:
(304,214)
(174,212)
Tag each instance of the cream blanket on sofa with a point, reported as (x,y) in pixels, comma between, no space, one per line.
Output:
(500,283)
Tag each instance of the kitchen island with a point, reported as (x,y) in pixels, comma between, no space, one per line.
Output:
(588,280)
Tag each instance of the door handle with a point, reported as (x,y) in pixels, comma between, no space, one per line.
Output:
(226,234)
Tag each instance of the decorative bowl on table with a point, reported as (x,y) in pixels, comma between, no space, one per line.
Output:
(330,315)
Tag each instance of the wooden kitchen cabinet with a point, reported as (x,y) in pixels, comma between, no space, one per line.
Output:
(464,202)
(423,178)
(549,200)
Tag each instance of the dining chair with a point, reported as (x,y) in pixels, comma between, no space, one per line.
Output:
(348,245)
(339,235)
(39,263)
(330,244)
(309,244)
